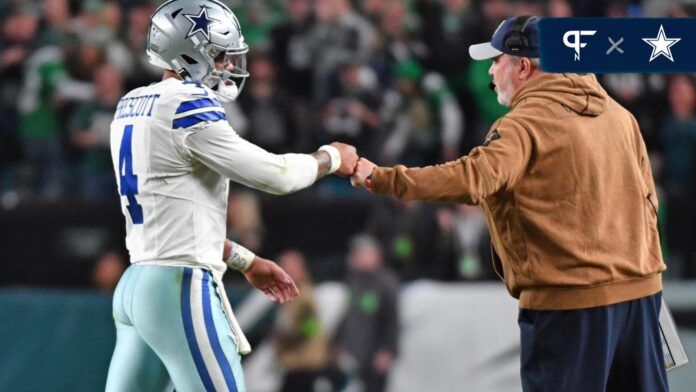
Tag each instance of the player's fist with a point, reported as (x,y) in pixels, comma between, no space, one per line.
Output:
(349,158)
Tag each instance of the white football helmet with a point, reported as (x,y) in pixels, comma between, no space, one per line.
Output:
(189,36)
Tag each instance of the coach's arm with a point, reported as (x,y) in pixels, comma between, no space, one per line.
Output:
(498,164)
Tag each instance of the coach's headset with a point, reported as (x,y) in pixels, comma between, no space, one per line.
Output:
(516,41)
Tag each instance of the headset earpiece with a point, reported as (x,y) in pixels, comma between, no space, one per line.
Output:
(517,41)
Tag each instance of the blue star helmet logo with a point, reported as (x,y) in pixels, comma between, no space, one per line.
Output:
(201,22)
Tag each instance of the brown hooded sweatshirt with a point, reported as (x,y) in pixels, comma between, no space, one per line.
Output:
(565,183)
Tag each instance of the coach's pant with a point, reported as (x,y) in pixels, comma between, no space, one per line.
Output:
(171,332)
(607,348)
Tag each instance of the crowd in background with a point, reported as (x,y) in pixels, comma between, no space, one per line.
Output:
(392,77)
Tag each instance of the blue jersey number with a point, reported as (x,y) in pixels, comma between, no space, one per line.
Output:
(129,181)
(200,86)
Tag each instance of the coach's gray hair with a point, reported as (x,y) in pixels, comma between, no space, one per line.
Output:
(536,63)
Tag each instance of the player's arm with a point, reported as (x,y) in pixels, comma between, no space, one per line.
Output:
(219,147)
(263,274)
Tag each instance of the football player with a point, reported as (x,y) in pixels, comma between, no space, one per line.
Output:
(174,154)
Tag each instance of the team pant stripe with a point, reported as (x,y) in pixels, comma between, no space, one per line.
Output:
(190,333)
(199,329)
(213,337)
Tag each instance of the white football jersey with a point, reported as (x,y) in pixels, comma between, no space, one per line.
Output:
(173,153)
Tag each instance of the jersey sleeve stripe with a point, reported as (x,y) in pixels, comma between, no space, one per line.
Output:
(197,104)
(196,111)
(185,122)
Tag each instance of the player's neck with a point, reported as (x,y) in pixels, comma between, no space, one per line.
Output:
(169,74)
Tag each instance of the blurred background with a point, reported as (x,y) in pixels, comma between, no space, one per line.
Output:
(395,296)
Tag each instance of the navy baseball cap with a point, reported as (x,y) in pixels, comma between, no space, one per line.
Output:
(516,36)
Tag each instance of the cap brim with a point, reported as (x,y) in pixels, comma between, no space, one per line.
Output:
(483,51)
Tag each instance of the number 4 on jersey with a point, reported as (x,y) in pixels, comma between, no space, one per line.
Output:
(129,181)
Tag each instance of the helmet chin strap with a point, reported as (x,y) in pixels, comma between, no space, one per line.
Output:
(226,92)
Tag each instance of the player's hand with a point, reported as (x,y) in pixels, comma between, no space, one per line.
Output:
(268,277)
(349,158)
(362,171)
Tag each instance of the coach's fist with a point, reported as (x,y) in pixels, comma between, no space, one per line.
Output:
(363,170)
(349,158)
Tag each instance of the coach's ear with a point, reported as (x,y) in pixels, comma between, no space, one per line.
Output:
(526,68)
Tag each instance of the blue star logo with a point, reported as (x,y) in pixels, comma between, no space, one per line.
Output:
(201,22)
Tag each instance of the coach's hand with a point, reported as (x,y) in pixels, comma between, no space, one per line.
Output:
(349,158)
(268,277)
(363,170)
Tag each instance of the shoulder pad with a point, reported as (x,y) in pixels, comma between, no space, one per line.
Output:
(195,103)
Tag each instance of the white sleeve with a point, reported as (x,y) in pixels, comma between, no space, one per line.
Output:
(220,148)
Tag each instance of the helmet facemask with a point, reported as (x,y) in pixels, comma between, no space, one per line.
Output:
(229,72)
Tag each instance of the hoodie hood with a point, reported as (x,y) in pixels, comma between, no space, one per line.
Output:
(580,93)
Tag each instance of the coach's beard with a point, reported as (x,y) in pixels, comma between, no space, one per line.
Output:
(502,90)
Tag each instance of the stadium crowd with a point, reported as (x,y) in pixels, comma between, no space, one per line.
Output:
(392,77)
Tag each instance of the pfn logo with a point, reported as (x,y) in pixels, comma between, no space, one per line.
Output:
(576,44)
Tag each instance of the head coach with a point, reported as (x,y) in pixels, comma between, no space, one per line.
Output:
(566,186)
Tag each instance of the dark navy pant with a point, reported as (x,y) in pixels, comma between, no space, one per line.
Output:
(608,348)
